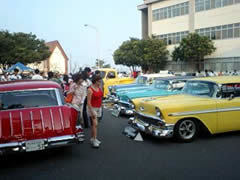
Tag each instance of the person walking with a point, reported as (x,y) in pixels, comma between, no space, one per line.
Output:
(94,103)
(86,83)
(78,91)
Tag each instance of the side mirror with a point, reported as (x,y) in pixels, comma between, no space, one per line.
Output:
(231,97)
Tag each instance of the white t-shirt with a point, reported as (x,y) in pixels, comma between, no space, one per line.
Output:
(15,77)
(37,77)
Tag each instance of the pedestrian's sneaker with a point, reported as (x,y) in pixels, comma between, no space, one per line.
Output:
(95,144)
(91,140)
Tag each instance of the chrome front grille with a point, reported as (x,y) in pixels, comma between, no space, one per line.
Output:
(149,120)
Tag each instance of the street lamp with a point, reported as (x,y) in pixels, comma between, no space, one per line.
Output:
(97,42)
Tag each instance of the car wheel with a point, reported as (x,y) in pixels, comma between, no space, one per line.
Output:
(186,130)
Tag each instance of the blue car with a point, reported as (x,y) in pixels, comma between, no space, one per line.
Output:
(142,82)
(161,87)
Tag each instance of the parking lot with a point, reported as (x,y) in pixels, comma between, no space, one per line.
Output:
(119,157)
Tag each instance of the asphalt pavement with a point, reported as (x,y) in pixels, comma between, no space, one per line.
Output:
(119,157)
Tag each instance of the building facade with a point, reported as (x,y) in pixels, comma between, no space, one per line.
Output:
(172,20)
(57,61)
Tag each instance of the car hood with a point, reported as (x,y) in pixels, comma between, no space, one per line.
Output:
(151,92)
(175,104)
(132,88)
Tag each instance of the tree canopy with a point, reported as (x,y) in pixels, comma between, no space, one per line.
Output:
(150,54)
(193,48)
(21,47)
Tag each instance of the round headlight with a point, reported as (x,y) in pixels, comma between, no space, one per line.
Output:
(158,112)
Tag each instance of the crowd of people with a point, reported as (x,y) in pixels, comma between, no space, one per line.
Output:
(85,89)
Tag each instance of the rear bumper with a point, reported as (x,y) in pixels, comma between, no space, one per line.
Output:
(52,142)
(160,132)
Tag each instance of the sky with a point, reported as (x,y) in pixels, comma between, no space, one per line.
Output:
(64,20)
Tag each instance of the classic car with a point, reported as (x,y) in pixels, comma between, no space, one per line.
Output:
(34,116)
(161,87)
(141,82)
(110,78)
(211,103)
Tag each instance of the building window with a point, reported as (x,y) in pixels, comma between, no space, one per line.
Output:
(202,5)
(171,11)
(221,32)
(237,30)
(173,38)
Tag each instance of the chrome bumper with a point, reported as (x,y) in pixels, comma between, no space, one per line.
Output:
(165,131)
(52,142)
(123,110)
(111,99)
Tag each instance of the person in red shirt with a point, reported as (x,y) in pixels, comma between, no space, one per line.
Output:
(94,103)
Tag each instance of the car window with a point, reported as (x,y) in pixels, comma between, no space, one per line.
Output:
(200,88)
(141,80)
(28,99)
(102,73)
(111,75)
(230,89)
(161,84)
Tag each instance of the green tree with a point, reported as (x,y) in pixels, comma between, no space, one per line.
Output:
(128,53)
(155,54)
(194,48)
(151,54)
(26,48)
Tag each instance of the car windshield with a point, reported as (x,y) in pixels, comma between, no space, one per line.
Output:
(27,99)
(141,80)
(161,84)
(200,88)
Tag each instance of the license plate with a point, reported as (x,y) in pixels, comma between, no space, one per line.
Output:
(35,145)
(116,112)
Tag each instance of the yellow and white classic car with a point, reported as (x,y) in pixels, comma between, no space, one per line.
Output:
(110,78)
(211,103)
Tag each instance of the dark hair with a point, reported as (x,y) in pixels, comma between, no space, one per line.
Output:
(97,72)
(76,77)
(95,78)
(16,70)
(66,78)
(36,71)
(87,69)
(50,75)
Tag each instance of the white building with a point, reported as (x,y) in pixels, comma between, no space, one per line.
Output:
(171,20)
(57,61)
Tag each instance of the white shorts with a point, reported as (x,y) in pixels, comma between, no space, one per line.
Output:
(96,111)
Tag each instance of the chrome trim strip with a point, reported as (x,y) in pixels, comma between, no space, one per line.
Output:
(58,97)
(43,125)
(22,125)
(11,125)
(31,117)
(37,89)
(30,108)
(61,117)
(51,114)
(204,111)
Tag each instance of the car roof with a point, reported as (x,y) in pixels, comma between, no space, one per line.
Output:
(175,78)
(221,79)
(27,84)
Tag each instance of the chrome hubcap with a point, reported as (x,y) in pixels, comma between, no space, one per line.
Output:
(187,129)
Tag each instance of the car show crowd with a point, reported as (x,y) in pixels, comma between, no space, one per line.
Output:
(139,97)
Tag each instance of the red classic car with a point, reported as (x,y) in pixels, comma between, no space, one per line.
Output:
(34,116)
